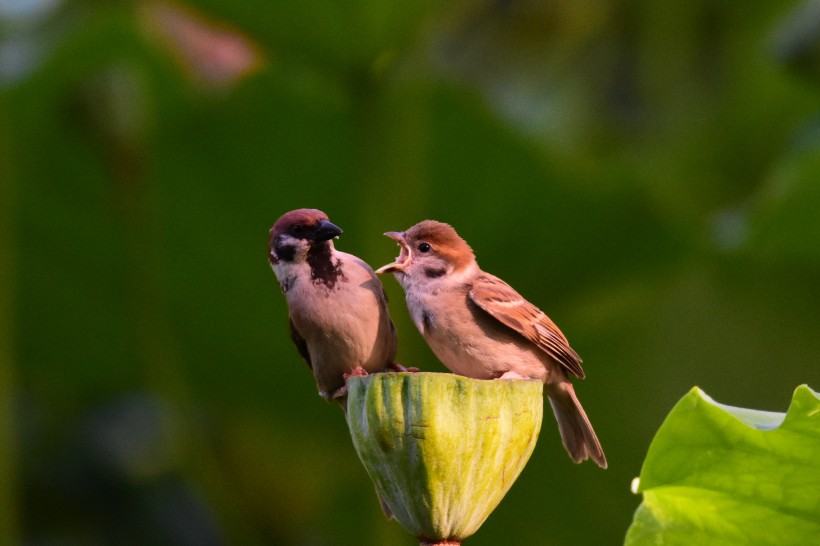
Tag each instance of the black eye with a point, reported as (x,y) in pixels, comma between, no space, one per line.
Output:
(424,247)
(297,230)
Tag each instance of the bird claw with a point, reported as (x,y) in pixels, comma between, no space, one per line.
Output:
(358,371)
(398,368)
(511,376)
(341,392)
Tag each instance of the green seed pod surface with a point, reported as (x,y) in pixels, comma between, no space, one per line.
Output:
(442,449)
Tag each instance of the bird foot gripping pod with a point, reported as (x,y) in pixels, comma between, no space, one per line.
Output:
(442,449)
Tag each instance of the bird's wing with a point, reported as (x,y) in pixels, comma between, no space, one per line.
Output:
(507,306)
(380,291)
(377,287)
(377,281)
(301,344)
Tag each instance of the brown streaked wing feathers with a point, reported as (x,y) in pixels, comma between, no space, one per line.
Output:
(506,305)
(301,344)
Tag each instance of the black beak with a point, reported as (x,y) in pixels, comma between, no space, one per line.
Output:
(326,231)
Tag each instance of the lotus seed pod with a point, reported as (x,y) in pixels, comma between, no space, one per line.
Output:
(442,449)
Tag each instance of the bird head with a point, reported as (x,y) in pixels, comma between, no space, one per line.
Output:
(429,250)
(297,232)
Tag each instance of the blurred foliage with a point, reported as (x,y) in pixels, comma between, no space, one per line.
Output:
(645,172)
(718,474)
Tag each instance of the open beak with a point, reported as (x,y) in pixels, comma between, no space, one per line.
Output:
(404,258)
(326,231)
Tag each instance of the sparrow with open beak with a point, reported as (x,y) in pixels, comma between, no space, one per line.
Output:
(338,309)
(479,327)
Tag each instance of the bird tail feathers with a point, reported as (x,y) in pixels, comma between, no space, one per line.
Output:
(576,432)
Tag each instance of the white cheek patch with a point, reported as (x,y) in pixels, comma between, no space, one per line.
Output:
(463,275)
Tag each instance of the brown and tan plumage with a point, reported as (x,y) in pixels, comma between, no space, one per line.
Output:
(480,327)
(337,308)
(501,301)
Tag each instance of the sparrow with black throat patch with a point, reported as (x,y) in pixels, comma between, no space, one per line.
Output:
(480,327)
(338,309)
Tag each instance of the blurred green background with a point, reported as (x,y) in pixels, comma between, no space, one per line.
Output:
(647,173)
